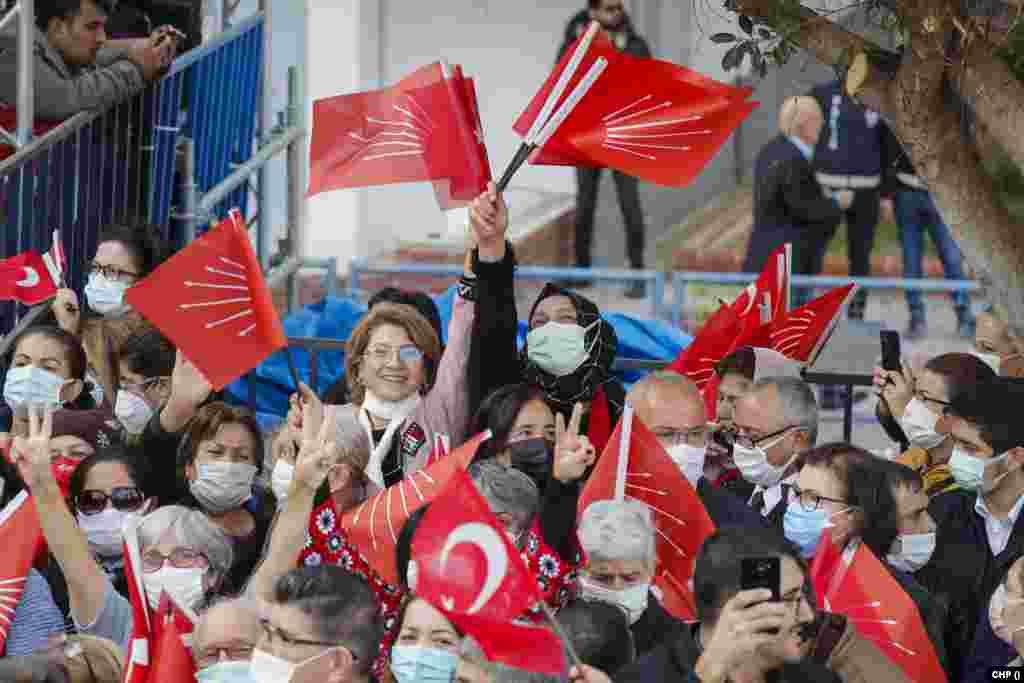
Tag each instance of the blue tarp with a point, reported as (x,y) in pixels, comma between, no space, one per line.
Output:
(335,318)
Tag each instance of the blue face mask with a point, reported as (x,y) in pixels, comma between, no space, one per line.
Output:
(804,527)
(415,664)
(226,672)
(28,384)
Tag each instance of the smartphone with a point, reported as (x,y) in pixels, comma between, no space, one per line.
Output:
(890,350)
(760,572)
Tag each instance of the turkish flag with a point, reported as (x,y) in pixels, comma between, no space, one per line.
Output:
(679,515)
(854,583)
(26,278)
(531,648)
(802,333)
(648,118)
(211,301)
(426,127)
(373,526)
(172,657)
(465,562)
(21,536)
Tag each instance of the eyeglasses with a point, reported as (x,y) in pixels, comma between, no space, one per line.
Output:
(180,558)
(123,498)
(747,441)
(809,500)
(142,387)
(407,354)
(272,633)
(695,437)
(112,273)
(236,653)
(933,404)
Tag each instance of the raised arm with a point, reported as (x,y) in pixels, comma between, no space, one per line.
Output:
(318,454)
(87,583)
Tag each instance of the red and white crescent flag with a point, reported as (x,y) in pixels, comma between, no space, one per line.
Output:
(172,652)
(26,278)
(211,301)
(465,562)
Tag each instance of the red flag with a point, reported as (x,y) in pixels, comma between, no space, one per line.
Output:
(27,279)
(465,562)
(211,301)
(854,583)
(503,641)
(21,535)
(766,300)
(655,480)
(172,657)
(373,526)
(137,660)
(649,118)
(424,128)
(599,425)
(804,331)
(713,342)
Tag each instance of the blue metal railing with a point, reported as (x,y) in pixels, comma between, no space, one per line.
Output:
(120,163)
(656,280)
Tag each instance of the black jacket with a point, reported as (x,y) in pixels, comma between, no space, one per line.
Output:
(789,205)
(726,509)
(632,43)
(855,131)
(675,660)
(654,627)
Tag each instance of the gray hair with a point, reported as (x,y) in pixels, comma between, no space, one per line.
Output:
(191,528)
(506,490)
(799,407)
(647,384)
(351,438)
(244,612)
(613,530)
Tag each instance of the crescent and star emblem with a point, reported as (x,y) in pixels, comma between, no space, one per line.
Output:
(31,278)
(493,546)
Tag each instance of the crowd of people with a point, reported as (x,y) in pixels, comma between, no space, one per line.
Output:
(112,428)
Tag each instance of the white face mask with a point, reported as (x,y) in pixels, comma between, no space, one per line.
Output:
(225,672)
(754,466)
(969,470)
(267,668)
(132,411)
(919,424)
(106,297)
(910,552)
(559,349)
(222,486)
(990,359)
(281,479)
(632,599)
(28,384)
(103,530)
(184,585)
(690,460)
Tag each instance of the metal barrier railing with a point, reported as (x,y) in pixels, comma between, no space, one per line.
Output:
(122,163)
(655,280)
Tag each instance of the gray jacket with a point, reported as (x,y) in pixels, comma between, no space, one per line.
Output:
(62,91)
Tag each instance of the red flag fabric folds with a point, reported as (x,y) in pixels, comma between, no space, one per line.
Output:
(853,582)
(531,648)
(21,536)
(26,278)
(651,119)
(211,301)
(679,515)
(373,526)
(802,333)
(172,659)
(425,128)
(465,562)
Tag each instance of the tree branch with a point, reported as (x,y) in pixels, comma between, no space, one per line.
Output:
(995,95)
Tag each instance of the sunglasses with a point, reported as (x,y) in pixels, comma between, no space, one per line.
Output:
(123,498)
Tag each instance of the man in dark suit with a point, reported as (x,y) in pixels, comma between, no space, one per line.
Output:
(611,14)
(789,205)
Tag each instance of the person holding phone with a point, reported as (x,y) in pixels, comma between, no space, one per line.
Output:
(744,635)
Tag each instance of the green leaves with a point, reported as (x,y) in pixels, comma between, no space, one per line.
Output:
(722,38)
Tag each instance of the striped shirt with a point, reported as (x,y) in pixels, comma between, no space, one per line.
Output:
(35,618)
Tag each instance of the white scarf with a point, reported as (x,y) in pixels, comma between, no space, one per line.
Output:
(395,413)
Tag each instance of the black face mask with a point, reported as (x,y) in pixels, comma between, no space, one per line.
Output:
(533,457)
